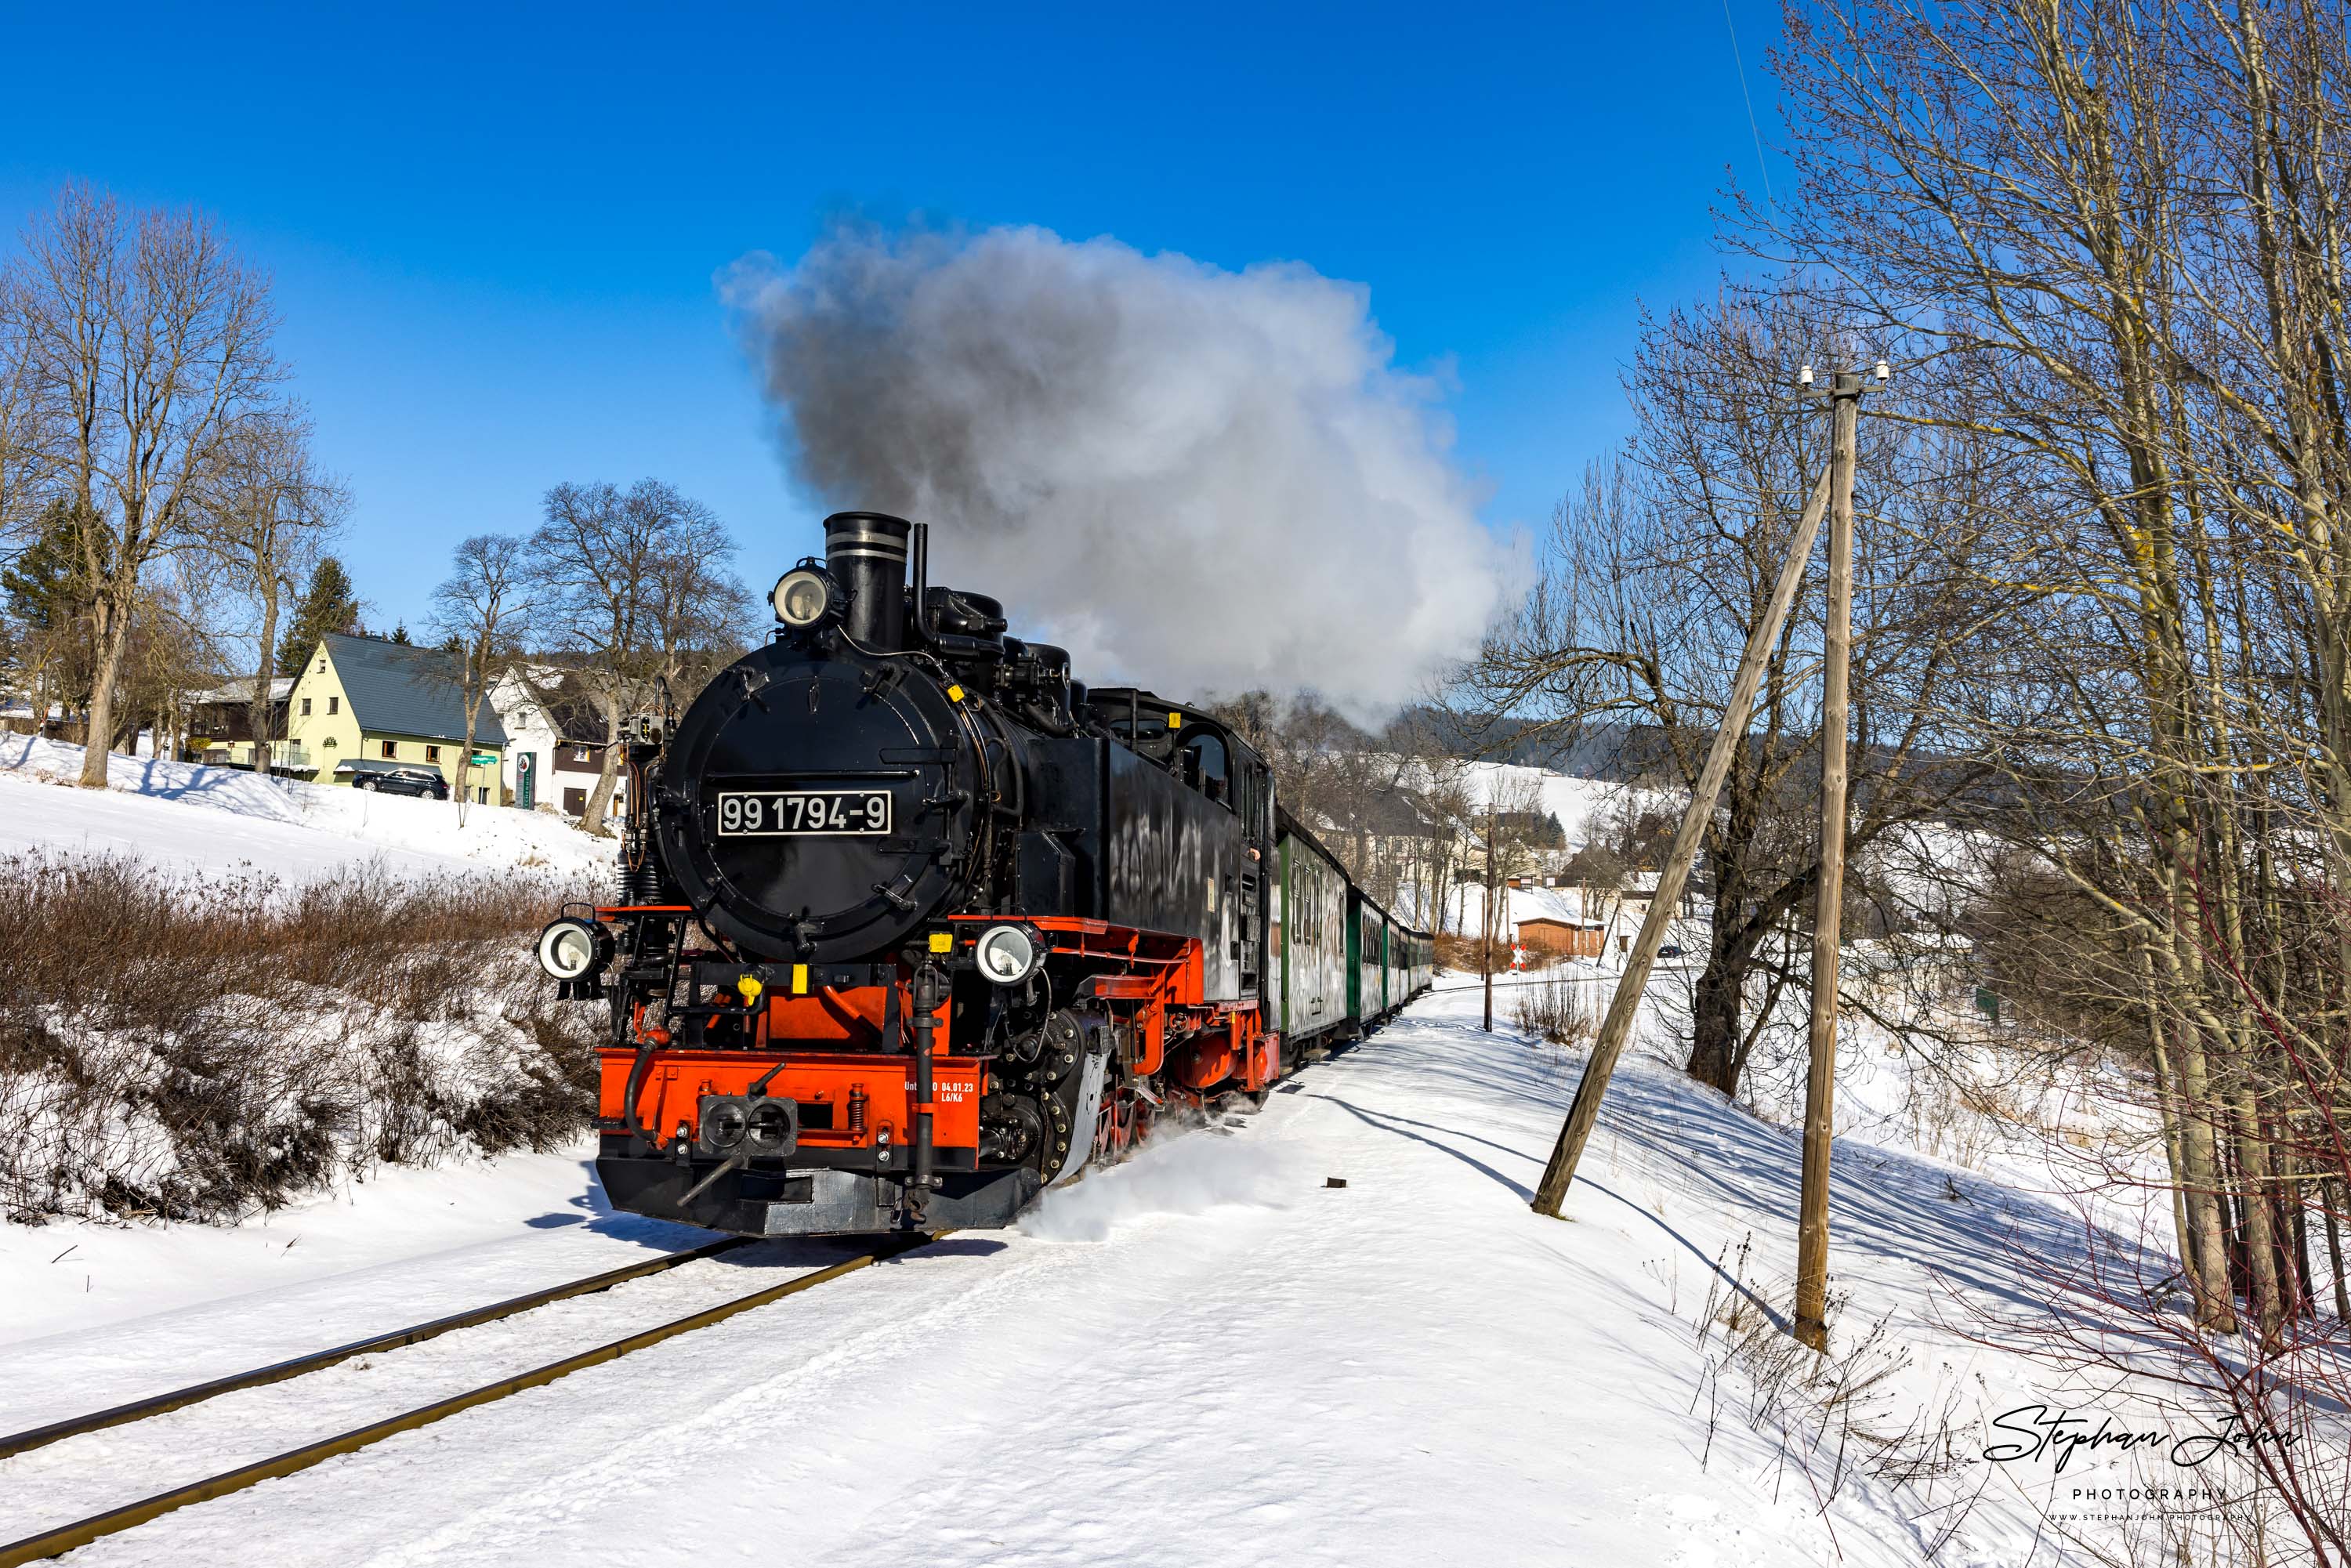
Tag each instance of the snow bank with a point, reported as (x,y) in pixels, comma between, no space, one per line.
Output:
(194,816)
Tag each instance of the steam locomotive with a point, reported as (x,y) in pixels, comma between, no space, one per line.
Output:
(912,925)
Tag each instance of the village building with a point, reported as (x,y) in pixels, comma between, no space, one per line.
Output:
(365,705)
(219,724)
(555,730)
(1554,921)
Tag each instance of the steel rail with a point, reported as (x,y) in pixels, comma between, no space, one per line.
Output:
(81,1532)
(280,1371)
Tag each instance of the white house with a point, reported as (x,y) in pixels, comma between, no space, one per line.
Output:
(555,747)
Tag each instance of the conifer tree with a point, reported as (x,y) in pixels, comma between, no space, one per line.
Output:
(327,605)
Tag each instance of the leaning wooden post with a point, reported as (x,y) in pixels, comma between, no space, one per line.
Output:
(1828,910)
(1585,1113)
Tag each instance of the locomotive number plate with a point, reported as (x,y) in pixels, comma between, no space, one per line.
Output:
(767,813)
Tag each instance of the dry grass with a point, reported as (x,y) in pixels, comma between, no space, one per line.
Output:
(1556,1007)
(1460,954)
(200,1048)
(1828,1420)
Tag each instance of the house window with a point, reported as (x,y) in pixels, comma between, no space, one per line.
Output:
(431,754)
(306,708)
(334,704)
(391,750)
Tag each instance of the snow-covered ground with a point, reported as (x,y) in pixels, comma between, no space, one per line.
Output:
(1206,1356)
(193,816)
(493,1227)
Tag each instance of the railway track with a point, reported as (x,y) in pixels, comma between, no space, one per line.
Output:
(65,1538)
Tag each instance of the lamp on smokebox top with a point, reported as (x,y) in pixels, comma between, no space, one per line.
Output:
(572,948)
(1008,955)
(805,596)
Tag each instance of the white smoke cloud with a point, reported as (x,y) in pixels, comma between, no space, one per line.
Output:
(1199,480)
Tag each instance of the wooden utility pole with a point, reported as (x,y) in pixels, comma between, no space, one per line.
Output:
(1585,1113)
(1486,947)
(1828,910)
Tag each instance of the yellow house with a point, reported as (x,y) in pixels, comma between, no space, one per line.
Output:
(364,705)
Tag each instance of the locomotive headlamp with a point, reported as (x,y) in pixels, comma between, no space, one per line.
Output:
(1008,955)
(571,948)
(805,596)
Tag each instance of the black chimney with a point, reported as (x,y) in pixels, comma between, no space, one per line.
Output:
(867,553)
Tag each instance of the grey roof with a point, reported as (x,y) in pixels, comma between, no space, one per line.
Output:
(395,689)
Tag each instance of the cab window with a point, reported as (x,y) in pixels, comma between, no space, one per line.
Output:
(1207,768)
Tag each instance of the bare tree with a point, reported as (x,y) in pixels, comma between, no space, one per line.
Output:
(600,562)
(153,342)
(2116,235)
(481,610)
(268,510)
(169,650)
(25,432)
(1656,576)
(1499,848)
(701,611)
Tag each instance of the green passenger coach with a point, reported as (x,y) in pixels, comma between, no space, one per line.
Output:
(1342,963)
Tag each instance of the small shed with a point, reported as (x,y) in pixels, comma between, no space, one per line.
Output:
(1554,921)
(1567,938)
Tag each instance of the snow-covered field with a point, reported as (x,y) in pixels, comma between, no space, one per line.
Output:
(1207,1355)
(192,816)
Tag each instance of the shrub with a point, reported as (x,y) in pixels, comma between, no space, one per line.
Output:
(202,1047)
(1555,1006)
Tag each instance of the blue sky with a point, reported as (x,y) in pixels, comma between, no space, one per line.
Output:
(494,230)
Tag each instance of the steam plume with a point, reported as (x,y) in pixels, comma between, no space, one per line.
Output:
(1199,480)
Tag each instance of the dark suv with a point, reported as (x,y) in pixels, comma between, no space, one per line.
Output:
(405,781)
